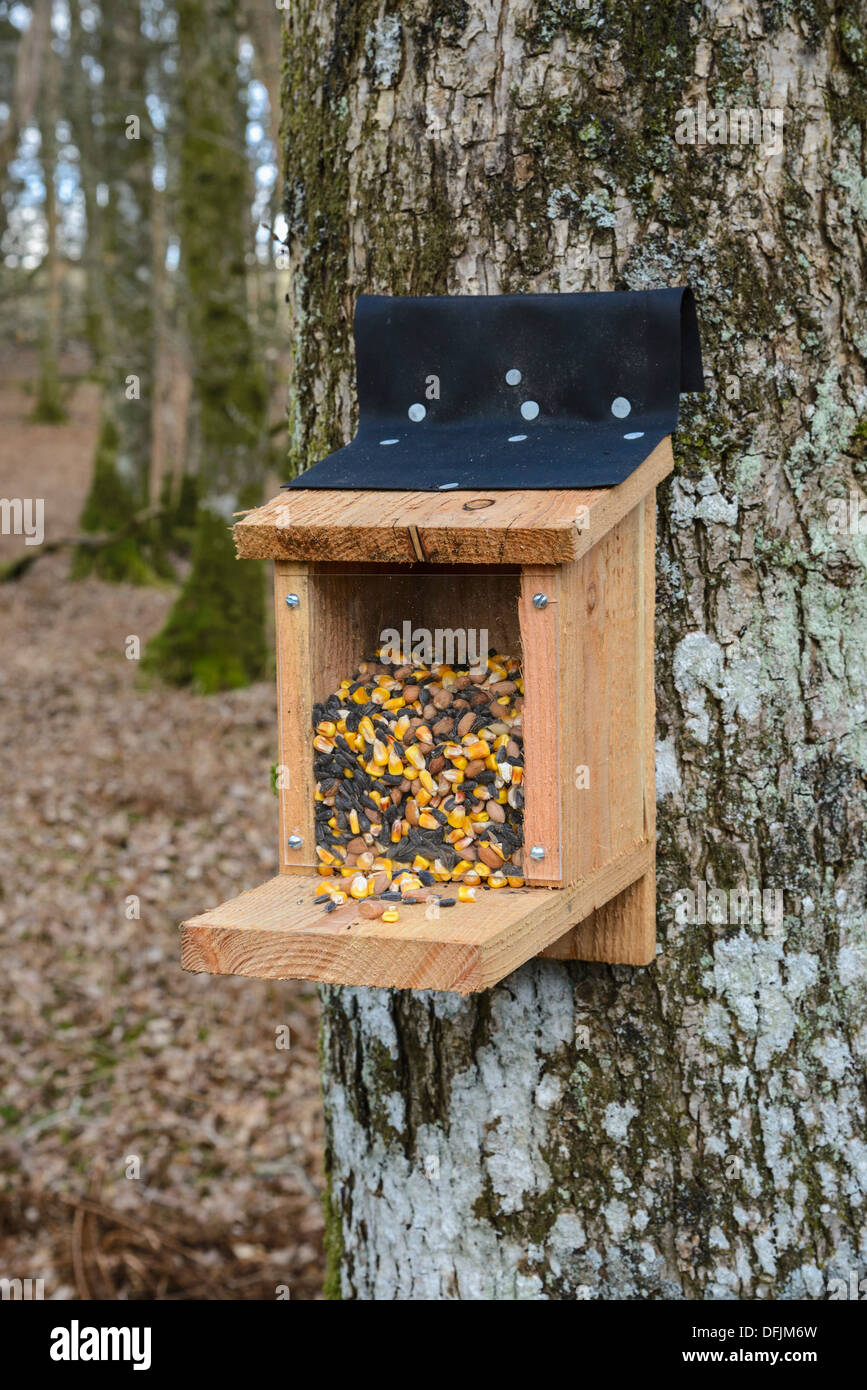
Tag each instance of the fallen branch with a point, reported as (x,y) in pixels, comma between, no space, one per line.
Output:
(92,541)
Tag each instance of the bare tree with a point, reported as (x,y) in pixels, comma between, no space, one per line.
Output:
(214,636)
(693,1129)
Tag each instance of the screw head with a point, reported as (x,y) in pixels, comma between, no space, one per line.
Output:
(540,600)
(537,852)
(293,600)
(294,842)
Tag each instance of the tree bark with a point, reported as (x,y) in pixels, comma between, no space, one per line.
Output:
(694,1129)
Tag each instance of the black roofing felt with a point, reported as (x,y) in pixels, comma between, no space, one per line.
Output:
(513,391)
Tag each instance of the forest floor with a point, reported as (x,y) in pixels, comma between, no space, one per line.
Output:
(155,1142)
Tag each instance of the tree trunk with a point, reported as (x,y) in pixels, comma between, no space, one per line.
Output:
(121,475)
(693,1129)
(214,636)
(49,408)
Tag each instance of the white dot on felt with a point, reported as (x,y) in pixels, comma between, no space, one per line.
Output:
(389,441)
(513,377)
(636,434)
(529,410)
(516,438)
(444,487)
(620,407)
(416,412)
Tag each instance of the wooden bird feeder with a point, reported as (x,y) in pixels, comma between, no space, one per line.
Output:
(528,435)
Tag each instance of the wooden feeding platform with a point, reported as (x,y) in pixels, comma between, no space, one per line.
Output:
(562,578)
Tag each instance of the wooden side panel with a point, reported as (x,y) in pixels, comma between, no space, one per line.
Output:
(542,724)
(623,931)
(602,682)
(294,715)
(276,932)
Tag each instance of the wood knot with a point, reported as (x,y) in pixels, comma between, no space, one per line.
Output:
(477,503)
(591,597)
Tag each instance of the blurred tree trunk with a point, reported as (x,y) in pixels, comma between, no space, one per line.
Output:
(26,87)
(49,408)
(214,636)
(121,476)
(81,107)
(694,1129)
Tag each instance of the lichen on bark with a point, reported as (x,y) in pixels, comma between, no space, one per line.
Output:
(694,1129)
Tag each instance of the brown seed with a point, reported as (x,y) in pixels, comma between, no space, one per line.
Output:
(516,858)
(474,767)
(489,857)
(519,703)
(479,698)
(478,676)
(460,704)
(429,711)
(443,726)
(402,672)
(503,687)
(410,693)
(512,749)
(466,723)
(397,794)
(404,786)
(380,882)
(462,682)
(495,811)
(368,908)
(442,699)
(357,845)
(436,765)
(412,811)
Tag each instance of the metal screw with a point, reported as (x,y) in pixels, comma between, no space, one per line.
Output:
(293,600)
(537,852)
(540,601)
(294,842)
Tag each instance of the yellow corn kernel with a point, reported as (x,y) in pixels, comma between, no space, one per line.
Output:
(462,866)
(514,881)
(383,866)
(332,821)
(457,817)
(453,775)
(453,750)
(428,822)
(428,782)
(325,855)
(501,741)
(396,833)
(401,726)
(365,859)
(478,749)
(415,755)
(479,815)
(338,896)
(466,893)
(482,794)
(379,696)
(354,824)
(472,877)
(346,871)
(482,869)
(327,728)
(323,744)
(409,883)
(517,776)
(380,753)
(491,763)
(324,870)
(395,703)
(366,729)
(358,886)
(395,766)
(361,696)
(420,862)
(390,914)
(423,796)
(423,734)
(497,881)
(454,836)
